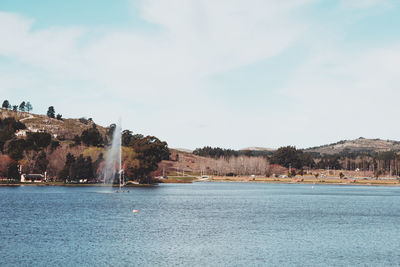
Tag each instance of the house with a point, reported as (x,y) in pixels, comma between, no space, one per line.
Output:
(33,178)
(21,133)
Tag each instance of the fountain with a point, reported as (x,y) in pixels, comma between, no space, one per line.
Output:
(113,164)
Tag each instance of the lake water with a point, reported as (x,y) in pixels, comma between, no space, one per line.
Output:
(200,224)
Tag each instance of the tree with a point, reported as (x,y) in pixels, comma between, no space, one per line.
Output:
(13,172)
(217,152)
(54,145)
(5,162)
(15,108)
(22,106)
(59,117)
(286,156)
(68,171)
(84,167)
(51,112)
(92,137)
(6,104)
(8,127)
(11,125)
(41,162)
(130,162)
(28,106)
(126,137)
(77,140)
(38,140)
(15,148)
(150,151)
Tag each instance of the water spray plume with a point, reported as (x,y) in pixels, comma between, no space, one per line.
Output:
(113,164)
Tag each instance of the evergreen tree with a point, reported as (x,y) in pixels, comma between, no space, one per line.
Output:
(22,106)
(13,172)
(51,112)
(28,106)
(6,104)
(80,165)
(68,172)
(59,117)
(15,108)
(92,137)
(126,137)
(84,168)
(89,172)
(41,162)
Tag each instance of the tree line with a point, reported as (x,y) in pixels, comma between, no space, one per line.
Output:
(378,163)
(27,107)
(24,106)
(217,152)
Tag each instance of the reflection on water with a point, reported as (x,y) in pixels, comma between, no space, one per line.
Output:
(201,224)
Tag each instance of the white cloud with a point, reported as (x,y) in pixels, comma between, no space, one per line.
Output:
(158,77)
(196,39)
(192,41)
(347,94)
(365,3)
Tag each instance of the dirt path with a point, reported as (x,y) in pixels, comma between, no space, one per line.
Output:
(27,118)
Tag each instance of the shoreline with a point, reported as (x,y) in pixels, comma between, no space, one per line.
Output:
(75,185)
(304,183)
(329,181)
(312,181)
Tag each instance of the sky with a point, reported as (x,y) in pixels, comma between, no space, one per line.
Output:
(227,73)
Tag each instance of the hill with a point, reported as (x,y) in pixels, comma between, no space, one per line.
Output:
(72,150)
(358,145)
(61,129)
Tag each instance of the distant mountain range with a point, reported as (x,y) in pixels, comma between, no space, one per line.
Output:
(358,145)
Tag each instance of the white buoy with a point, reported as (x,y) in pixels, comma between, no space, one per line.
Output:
(135,211)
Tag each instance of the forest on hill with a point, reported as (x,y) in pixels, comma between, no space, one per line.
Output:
(376,162)
(70,150)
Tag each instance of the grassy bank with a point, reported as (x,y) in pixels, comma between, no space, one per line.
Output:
(72,185)
(308,180)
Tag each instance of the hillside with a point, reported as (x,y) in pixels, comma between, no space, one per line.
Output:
(62,129)
(73,150)
(358,145)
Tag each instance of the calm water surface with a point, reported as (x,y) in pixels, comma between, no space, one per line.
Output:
(200,224)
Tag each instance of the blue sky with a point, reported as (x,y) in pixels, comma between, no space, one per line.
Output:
(222,73)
